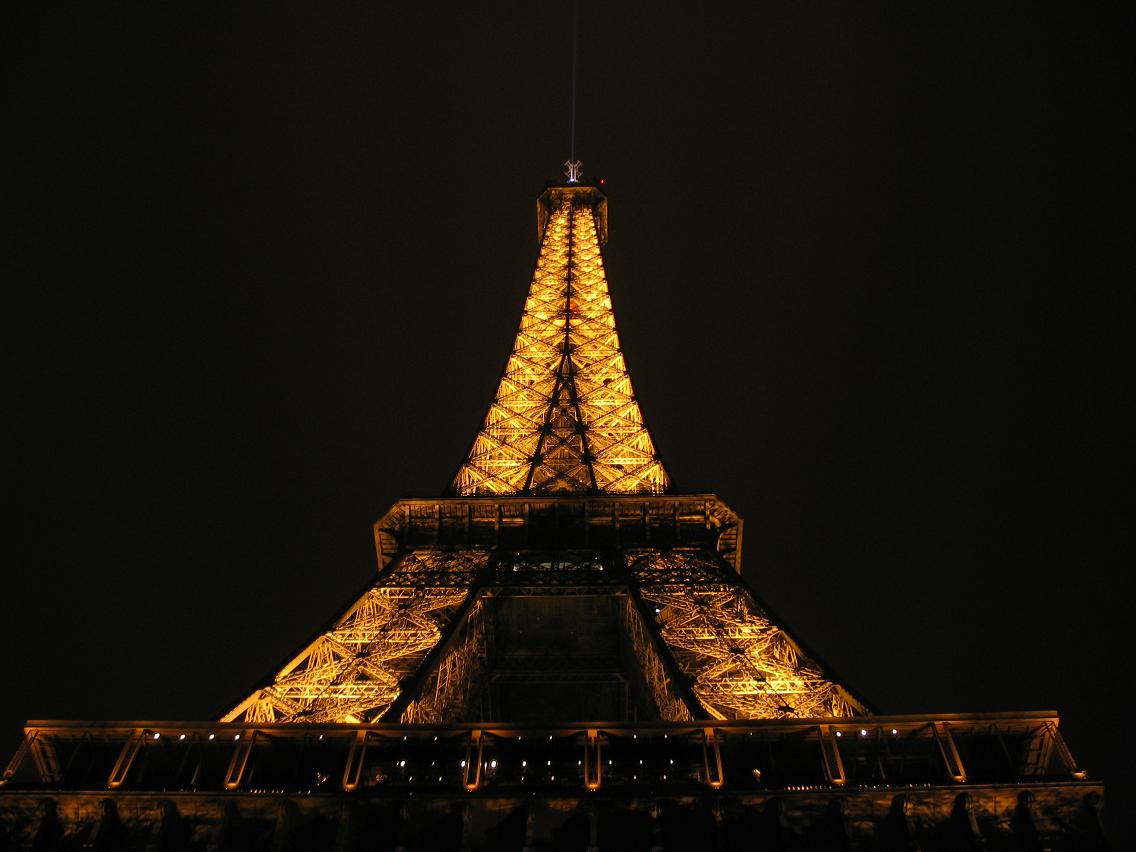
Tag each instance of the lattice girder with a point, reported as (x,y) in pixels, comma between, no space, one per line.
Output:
(741,664)
(565,418)
(455,682)
(660,685)
(353,671)
(704,646)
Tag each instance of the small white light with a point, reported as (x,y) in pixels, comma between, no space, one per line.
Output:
(640,761)
(237,737)
(672,761)
(609,762)
(524,763)
(402,763)
(578,762)
(157,736)
(493,764)
(894,731)
(435,739)
(839,734)
(182,737)
(863,732)
(550,763)
(212,735)
(321,736)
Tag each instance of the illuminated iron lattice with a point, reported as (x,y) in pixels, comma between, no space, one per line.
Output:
(743,666)
(564,427)
(564,418)
(671,707)
(455,683)
(351,673)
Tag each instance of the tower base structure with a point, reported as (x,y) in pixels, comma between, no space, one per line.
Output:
(953,782)
(441,711)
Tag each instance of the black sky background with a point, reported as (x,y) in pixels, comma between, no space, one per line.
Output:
(871,267)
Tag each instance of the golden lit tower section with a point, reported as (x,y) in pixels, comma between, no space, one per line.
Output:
(565,418)
(562,490)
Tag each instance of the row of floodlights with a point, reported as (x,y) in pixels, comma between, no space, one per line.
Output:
(553,777)
(524,763)
(157,736)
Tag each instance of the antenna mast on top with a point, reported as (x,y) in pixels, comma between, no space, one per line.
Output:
(572,166)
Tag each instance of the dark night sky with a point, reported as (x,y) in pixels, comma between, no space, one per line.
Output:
(868,263)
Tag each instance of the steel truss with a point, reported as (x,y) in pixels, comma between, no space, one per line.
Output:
(417,646)
(352,672)
(453,685)
(565,417)
(741,664)
(653,666)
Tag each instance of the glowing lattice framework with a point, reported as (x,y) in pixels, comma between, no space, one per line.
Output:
(565,418)
(416,648)
(742,665)
(351,673)
(455,683)
(670,705)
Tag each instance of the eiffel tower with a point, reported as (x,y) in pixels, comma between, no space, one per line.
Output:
(560,653)
(560,579)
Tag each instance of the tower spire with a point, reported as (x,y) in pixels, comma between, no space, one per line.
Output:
(565,418)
